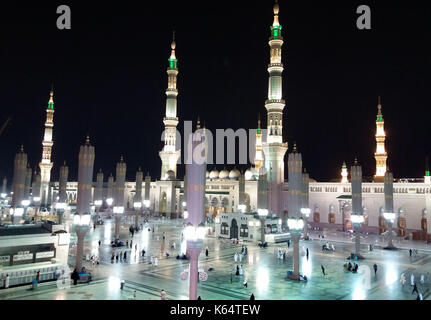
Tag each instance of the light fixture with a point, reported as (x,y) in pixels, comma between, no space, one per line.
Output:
(295,224)
(98,203)
(3,195)
(137,205)
(217,220)
(36,199)
(186,214)
(109,201)
(251,223)
(60,205)
(357,218)
(184,203)
(192,233)
(25,203)
(119,209)
(262,212)
(306,211)
(147,203)
(389,216)
(242,207)
(18,211)
(81,219)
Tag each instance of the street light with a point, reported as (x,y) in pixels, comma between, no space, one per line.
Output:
(263,213)
(118,211)
(98,204)
(185,214)
(81,223)
(109,201)
(137,205)
(184,203)
(357,220)
(390,218)
(295,227)
(305,214)
(242,207)
(194,239)
(3,195)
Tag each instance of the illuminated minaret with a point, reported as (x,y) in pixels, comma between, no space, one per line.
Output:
(46,164)
(344,173)
(380,154)
(427,176)
(169,155)
(258,158)
(274,148)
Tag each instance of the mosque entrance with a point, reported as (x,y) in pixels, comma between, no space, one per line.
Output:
(234,229)
(163,204)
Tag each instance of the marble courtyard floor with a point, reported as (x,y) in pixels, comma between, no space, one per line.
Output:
(265,273)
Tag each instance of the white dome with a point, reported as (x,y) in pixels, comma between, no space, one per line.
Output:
(224,174)
(248,175)
(234,174)
(214,174)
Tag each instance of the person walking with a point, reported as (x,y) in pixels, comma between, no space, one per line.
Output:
(163,295)
(206,252)
(240,257)
(163,236)
(410,251)
(131,244)
(375,269)
(415,289)
(136,247)
(235,257)
(100,242)
(307,253)
(6,281)
(125,256)
(241,270)
(75,277)
(127,243)
(245,283)
(156,261)
(252,297)
(143,253)
(38,275)
(231,278)
(412,279)
(422,280)
(237,270)
(288,243)
(323,269)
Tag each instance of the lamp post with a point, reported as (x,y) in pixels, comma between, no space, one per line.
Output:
(118,211)
(390,218)
(263,213)
(357,220)
(81,223)
(137,206)
(98,204)
(59,210)
(305,214)
(109,202)
(295,227)
(17,212)
(194,238)
(25,204)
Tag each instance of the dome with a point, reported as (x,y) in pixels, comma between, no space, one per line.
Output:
(234,174)
(170,175)
(248,175)
(224,174)
(214,174)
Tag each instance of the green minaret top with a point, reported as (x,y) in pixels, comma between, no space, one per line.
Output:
(173,59)
(379,108)
(276,27)
(427,169)
(51,100)
(259,130)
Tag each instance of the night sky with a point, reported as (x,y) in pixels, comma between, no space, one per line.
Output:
(109,75)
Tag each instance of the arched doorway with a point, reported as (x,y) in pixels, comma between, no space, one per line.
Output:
(402,222)
(424,220)
(234,229)
(247,202)
(316,214)
(225,205)
(331,216)
(347,211)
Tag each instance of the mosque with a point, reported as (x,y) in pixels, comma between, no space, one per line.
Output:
(330,202)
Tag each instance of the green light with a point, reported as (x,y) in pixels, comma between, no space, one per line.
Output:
(51,105)
(276,31)
(258,131)
(379,117)
(172,63)
(427,173)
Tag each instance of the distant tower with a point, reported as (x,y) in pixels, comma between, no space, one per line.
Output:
(139,178)
(380,154)
(62,185)
(258,158)
(27,185)
(344,173)
(427,177)
(19,175)
(47,143)
(274,147)
(169,155)
(35,188)
(85,177)
(4,186)
(110,191)
(98,194)
(120,181)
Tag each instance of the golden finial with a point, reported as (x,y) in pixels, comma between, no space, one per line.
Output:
(379,105)
(121,158)
(64,163)
(276,10)
(294,147)
(173,46)
(87,140)
(22,148)
(198,125)
(356,161)
(258,121)
(139,168)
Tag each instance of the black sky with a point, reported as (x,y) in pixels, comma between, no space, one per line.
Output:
(109,74)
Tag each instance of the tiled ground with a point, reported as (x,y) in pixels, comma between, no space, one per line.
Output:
(266,274)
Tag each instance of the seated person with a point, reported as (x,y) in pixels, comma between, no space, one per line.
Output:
(349,267)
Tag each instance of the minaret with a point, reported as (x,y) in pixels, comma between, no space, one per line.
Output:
(344,173)
(258,158)
(46,164)
(274,148)
(98,194)
(169,155)
(138,188)
(427,177)
(62,186)
(27,185)
(380,154)
(85,177)
(120,180)
(19,174)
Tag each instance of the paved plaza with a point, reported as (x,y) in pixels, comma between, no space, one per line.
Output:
(266,273)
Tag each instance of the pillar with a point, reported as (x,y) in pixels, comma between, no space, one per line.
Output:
(262,199)
(4,186)
(389,203)
(305,202)
(110,191)
(64,172)
(356,182)
(138,194)
(27,184)
(19,174)
(98,194)
(35,188)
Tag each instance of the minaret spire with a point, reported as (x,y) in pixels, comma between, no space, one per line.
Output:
(274,148)
(169,155)
(380,155)
(47,143)
(258,158)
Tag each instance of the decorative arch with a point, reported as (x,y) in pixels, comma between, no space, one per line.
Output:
(366,215)
(424,220)
(316,213)
(331,215)
(402,221)
(382,220)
